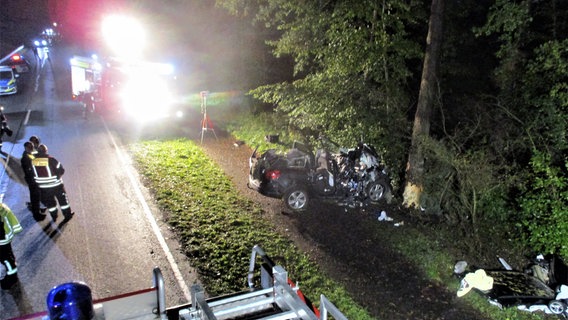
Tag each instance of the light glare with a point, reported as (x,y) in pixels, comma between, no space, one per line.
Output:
(125,36)
(145,97)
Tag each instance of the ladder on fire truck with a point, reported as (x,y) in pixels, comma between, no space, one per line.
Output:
(272,297)
(278,298)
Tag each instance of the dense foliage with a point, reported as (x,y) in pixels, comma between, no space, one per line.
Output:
(350,67)
(498,152)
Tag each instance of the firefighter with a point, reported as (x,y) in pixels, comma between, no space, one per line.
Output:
(9,226)
(36,142)
(47,174)
(4,128)
(35,195)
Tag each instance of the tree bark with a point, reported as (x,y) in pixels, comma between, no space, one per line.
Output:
(421,129)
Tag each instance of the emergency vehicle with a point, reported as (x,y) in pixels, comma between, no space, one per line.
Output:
(18,63)
(139,90)
(271,296)
(85,75)
(8,82)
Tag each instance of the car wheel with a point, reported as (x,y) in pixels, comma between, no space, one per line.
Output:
(557,307)
(297,199)
(377,190)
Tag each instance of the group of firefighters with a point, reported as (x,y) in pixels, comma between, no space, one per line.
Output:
(43,175)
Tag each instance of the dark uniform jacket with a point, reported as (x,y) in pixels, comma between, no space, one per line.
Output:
(47,171)
(27,167)
(4,128)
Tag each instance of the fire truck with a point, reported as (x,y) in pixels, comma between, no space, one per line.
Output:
(271,296)
(86,73)
(138,90)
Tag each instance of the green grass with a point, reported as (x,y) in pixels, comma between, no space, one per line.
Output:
(218,228)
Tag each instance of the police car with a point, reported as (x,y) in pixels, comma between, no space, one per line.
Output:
(8,83)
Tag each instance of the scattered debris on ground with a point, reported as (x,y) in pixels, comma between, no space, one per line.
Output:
(541,286)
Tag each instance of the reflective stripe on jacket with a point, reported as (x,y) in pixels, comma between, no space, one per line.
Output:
(47,171)
(11,224)
(10,270)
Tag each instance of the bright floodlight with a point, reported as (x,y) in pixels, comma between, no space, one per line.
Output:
(125,36)
(146,96)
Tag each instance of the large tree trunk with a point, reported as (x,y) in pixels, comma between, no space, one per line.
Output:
(421,129)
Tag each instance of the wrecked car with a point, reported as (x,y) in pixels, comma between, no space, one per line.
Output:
(542,286)
(349,177)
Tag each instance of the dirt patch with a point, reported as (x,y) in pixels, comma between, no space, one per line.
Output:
(349,248)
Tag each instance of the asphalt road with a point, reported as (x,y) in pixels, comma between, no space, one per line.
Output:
(116,236)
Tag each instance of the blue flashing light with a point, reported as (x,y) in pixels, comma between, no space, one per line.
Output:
(72,300)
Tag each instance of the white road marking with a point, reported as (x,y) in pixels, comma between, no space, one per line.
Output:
(155,228)
(27,118)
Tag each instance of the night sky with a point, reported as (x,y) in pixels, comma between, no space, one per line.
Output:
(20,20)
(198,37)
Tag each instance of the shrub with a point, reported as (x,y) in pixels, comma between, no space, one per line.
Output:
(543,206)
